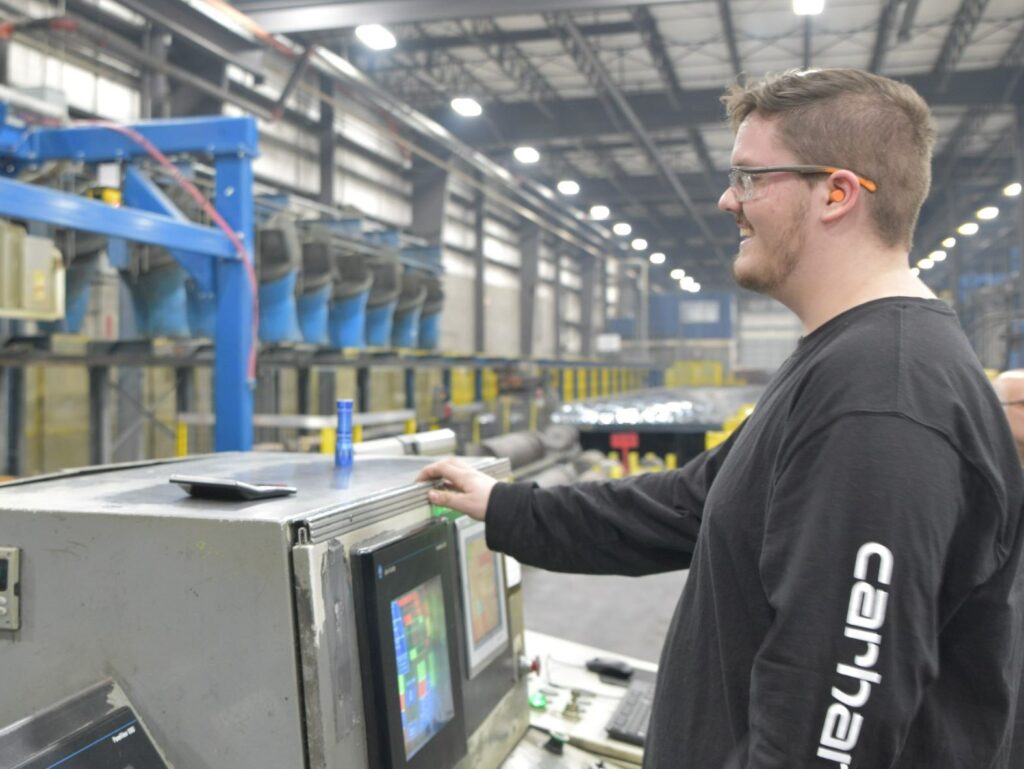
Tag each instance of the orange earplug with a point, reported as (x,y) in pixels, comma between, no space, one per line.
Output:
(837,196)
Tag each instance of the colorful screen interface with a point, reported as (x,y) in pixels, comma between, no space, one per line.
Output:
(421,651)
(485,609)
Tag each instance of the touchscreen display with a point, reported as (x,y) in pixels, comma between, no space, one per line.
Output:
(421,653)
(484,606)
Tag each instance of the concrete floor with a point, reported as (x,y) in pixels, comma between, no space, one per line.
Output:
(624,615)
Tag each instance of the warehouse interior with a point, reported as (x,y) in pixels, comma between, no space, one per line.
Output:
(493,230)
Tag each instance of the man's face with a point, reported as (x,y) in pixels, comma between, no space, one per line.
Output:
(772,224)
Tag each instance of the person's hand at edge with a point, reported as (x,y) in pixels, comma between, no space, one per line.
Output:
(467,490)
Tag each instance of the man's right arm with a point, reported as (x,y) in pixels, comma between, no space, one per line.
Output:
(640,525)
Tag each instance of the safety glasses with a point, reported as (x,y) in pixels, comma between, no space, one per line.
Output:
(741,178)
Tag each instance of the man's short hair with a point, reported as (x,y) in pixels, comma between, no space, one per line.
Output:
(848,118)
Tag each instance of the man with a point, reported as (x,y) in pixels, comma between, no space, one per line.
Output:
(1010,389)
(854,597)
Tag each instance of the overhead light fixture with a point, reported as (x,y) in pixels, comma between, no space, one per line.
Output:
(622,228)
(915,271)
(677,274)
(467,106)
(987,213)
(375,36)
(937,256)
(657,258)
(599,213)
(639,244)
(808,7)
(968,228)
(526,154)
(1012,190)
(695,287)
(949,242)
(926,263)
(568,187)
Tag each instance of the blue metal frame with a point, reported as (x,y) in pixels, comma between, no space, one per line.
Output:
(232,142)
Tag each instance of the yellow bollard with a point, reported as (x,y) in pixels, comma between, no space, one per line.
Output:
(533,414)
(581,383)
(357,434)
(181,439)
(328,437)
(567,385)
(410,426)
(593,383)
(605,382)
(616,472)
(634,462)
(671,461)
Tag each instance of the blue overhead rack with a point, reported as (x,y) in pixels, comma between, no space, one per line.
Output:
(206,253)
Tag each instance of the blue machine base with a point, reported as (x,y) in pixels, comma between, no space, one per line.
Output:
(202,312)
(279,320)
(347,322)
(406,331)
(160,303)
(430,331)
(313,315)
(379,321)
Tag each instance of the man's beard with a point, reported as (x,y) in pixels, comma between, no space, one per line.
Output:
(778,262)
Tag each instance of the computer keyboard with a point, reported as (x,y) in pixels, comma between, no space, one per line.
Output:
(629,721)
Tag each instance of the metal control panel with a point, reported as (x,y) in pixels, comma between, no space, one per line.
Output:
(10,588)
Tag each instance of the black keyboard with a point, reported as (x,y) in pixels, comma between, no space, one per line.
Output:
(629,721)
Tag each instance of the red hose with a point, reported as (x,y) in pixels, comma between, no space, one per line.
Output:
(214,215)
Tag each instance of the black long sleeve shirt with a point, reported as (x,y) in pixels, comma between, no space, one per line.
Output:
(855,596)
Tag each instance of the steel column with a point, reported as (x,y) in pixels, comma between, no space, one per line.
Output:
(15,400)
(233,385)
(529,257)
(587,285)
(363,389)
(326,389)
(479,272)
(558,305)
(99,418)
(328,142)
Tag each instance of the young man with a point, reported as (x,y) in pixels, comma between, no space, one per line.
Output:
(854,597)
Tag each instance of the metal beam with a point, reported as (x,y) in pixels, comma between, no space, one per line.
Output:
(514,36)
(907,24)
(279,17)
(959,35)
(588,62)
(328,145)
(725,14)
(588,283)
(648,28)
(584,118)
(883,34)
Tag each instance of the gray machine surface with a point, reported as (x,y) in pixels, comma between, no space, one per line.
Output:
(228,625)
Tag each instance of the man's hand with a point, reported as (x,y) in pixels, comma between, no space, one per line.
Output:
(467,489)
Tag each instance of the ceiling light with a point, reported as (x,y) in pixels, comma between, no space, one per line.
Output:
(657,258)
(599,213)
(915,271)
(1012,190)
(526,154)
(808,7)
(677,274)
(568,187)
(937,256)
(968,228)
(695,287)
(639,244)
(376,37)
(926,263)
(622,228)
(987,213)
(949,242)
(467,106)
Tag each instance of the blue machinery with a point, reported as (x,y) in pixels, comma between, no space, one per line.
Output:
(206,253)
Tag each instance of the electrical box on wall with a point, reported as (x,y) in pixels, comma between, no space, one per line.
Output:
(31,275)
